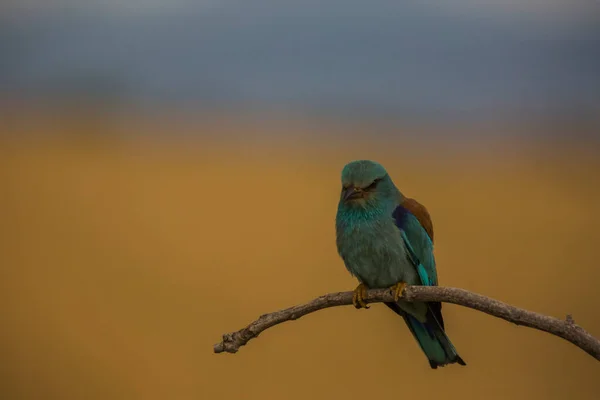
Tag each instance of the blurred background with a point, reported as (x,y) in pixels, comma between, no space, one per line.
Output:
(170,170)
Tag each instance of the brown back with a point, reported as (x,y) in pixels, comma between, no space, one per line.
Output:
(419,211)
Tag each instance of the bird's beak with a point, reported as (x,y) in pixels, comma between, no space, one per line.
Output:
(352,193)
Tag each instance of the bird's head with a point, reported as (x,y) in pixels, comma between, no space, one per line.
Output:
(366,184)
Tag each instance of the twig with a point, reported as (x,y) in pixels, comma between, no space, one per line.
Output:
(566,329)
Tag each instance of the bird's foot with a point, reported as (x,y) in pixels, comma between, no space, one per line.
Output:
(397,289)
(358,297)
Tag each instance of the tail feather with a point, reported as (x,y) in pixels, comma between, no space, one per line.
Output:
(431,337)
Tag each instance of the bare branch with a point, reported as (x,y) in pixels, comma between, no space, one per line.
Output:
(566,329)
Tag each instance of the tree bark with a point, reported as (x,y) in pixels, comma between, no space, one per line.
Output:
(566,329)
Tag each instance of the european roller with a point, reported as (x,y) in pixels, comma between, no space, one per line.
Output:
(386,241)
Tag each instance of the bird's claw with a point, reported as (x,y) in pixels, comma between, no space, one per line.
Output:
(397,289)
(358,297)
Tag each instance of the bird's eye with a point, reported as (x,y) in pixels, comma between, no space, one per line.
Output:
(373,184)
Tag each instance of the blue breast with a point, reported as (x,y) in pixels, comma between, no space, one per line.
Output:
(374,251)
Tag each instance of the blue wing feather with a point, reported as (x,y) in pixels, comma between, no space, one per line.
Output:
(419,245)
(415,260)
(429,334)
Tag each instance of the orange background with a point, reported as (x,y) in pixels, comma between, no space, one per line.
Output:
(124,260)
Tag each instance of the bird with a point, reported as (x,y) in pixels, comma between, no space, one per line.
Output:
(385,240)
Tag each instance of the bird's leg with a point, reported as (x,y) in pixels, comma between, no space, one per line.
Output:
(358,297)
(397,289)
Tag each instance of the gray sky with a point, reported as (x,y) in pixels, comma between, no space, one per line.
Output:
(544,9)
(382,55)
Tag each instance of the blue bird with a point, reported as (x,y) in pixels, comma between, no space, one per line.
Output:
(386,241)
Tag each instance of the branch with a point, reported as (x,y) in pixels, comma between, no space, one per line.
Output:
(566,329)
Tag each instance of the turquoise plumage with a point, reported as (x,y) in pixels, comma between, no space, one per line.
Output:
(386,240)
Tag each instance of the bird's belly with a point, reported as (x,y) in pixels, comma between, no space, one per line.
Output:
(379,262)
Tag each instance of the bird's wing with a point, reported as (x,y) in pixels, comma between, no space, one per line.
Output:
(419,244)
(420,212)
(420,248)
